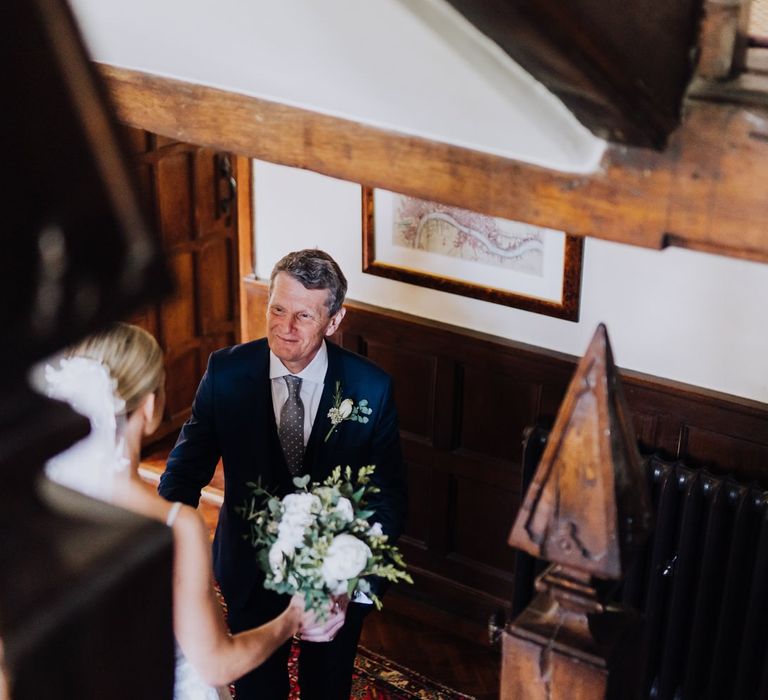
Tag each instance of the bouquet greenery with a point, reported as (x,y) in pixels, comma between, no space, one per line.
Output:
(318,541)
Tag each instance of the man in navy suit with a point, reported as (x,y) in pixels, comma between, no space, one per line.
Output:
(240,404)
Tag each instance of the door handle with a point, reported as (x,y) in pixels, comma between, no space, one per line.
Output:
(224,172)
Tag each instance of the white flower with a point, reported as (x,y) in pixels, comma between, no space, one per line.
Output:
(346,558)
(345,510)
(345,409)
(375,530)
(277,553)
(338,587)
(292,534)
(300,502)
(297,517)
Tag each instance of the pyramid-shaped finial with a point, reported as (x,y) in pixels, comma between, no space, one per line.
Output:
(587,505)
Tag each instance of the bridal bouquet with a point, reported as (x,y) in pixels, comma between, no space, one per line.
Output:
(318,541)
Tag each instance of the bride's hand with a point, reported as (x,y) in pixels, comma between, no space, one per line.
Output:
(314,630)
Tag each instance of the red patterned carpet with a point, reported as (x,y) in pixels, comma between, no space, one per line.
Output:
(378,678)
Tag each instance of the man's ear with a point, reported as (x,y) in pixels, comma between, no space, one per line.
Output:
(335,321)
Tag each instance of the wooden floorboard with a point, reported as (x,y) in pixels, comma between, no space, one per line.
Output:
(440,656)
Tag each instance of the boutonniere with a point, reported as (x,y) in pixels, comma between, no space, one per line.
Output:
(345,409)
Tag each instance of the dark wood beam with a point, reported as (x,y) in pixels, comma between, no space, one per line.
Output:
(622,66)
(704,191)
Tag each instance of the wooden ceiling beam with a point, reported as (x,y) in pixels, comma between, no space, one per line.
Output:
(704,191)
(621,66)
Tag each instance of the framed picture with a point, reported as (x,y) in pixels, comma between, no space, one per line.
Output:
(462,252)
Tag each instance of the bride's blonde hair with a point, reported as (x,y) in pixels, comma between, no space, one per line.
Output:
(132,356)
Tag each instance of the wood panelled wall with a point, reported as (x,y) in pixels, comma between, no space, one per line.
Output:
(464,400)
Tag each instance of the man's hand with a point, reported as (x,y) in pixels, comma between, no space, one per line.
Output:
(313,630)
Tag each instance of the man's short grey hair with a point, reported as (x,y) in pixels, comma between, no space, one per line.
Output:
(315,269)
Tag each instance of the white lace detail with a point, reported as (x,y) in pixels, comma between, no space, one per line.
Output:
(89,465)
(189,686)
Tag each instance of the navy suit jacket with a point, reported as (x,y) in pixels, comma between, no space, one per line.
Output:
(233,418)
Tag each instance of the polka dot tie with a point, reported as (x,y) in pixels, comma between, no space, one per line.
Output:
(291,430)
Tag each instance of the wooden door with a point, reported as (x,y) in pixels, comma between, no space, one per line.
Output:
(192,194)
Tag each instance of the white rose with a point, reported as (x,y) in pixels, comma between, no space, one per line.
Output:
(291,532)
(346,558)
(300,503)
(338,587)
(345,510)
(375,530)
(345,409)
(297,516)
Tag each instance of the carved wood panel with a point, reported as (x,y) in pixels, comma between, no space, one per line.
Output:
(725,453)
(415,393)
(493,406)
(190,193)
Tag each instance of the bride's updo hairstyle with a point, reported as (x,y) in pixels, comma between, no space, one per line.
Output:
(133,358)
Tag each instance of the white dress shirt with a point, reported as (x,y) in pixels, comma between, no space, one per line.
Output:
(312,381)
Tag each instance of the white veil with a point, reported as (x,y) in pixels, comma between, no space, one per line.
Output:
(89,465)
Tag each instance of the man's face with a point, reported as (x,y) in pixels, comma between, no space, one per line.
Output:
(297,321)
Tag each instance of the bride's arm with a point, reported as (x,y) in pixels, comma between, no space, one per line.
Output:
(198,619)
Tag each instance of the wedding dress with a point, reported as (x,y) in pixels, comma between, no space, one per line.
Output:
(188,685)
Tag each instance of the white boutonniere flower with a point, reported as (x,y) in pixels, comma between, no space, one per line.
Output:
(345,409)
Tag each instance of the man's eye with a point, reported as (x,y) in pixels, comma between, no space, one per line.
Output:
(278,310)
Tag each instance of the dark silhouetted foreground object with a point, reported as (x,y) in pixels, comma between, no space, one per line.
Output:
(85,598)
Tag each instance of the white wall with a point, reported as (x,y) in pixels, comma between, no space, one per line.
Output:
(693,317)
(413,66)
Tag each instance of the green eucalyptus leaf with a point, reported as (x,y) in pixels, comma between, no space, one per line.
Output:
(300,482)
(274,506)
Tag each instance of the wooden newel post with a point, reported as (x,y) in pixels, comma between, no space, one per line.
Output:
(586,511)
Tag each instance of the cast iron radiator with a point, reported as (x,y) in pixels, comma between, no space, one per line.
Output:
(701,582)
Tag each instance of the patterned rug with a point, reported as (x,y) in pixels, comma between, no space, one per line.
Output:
(378,678)
(375,677)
